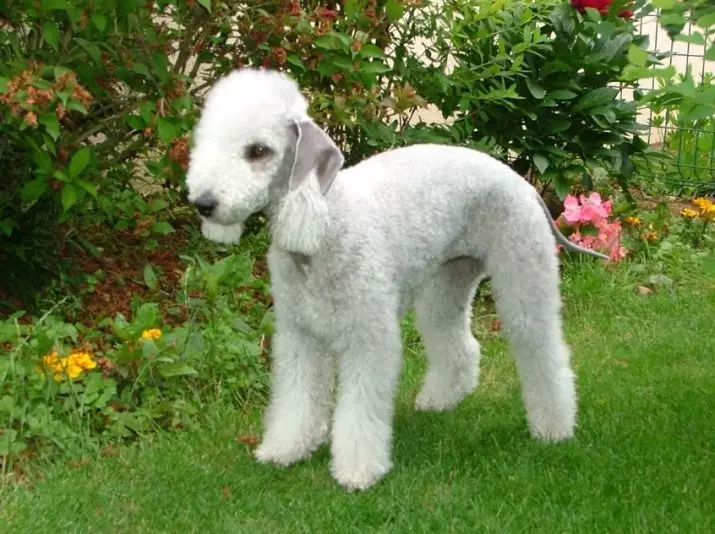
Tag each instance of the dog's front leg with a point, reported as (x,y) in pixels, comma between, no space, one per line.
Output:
(298,414)
(369,369)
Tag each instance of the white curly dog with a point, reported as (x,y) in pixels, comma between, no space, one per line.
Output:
(352,250)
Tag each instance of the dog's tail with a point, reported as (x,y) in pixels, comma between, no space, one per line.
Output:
(562,239)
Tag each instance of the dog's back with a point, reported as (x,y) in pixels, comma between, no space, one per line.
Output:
(433,202)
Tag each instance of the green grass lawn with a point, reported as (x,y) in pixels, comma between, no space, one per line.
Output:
(643,459)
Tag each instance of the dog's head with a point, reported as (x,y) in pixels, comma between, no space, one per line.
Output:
(255,146)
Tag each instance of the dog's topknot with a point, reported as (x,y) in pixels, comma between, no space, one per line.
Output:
(252,92)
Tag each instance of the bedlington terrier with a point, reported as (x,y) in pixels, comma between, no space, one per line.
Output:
(352,250)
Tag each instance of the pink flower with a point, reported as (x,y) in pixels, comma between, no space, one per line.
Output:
(617,253)
(593,210)
(581,213)
(572,209)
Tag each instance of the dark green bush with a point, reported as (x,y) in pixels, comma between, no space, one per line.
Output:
(540,80)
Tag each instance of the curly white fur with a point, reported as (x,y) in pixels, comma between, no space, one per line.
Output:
(417,226)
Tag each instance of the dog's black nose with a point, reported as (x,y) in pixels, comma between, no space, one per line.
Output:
(206,204)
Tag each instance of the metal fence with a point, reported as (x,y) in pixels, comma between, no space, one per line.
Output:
(691,144)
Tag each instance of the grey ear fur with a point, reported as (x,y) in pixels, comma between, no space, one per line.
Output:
(314,152)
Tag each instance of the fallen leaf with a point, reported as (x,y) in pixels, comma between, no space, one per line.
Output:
(78,462)
(248,439)
(495,326)
(109,451)
(226,492)
(643,291)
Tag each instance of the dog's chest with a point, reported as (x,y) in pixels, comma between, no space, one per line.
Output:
(305,296)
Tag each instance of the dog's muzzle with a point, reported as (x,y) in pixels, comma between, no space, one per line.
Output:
(206,204)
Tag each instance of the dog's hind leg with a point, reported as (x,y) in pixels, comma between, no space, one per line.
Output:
(443,313)
(525,281)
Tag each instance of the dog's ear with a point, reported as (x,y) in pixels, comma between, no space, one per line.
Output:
(315,153)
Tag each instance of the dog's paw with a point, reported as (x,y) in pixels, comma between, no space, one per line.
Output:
(283,456)
(439,399)
(548,430)
(426,401)
(357,478)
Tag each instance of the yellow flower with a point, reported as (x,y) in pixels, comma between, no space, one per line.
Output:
(689,213)
(153,333)
(702,203)
(70,366)
(83,359)
(73,370)
(632,221)
(51,359)
(649,235)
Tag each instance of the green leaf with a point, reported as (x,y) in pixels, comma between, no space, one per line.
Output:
(3,84)
(664,4)
(637,56)
(695,38)
(706,20)
(157,204)
(6,225)
(541,162)
(241,326)
(177,369)
(374,67)
(710,54)
(160,64)
(50,122)
(49,5)
(51,34)
(327,42)
(558,126)
(135,122)
(351,8)
(344,63)
(99,21)
(371,50)
(167,131)
(150,277)
(162,227)
(69,196)
(147,110)
(296,62)
(562,94)
(206,4)
(88,186)
(91,49)
(394,10)
(77,106)
(597,97)
(535,89)
(699,112)
(79,162)
(34,189)
(561,185)
(562,17)
(141,68)
(43,161)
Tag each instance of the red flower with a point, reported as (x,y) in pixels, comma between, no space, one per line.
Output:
(600,5)
(329,14)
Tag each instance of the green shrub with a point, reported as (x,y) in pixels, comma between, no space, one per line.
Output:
(539,79)
(72,388)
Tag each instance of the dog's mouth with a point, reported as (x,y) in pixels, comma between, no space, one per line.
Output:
(221,233)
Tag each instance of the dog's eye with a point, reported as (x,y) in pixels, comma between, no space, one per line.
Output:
(257,152)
